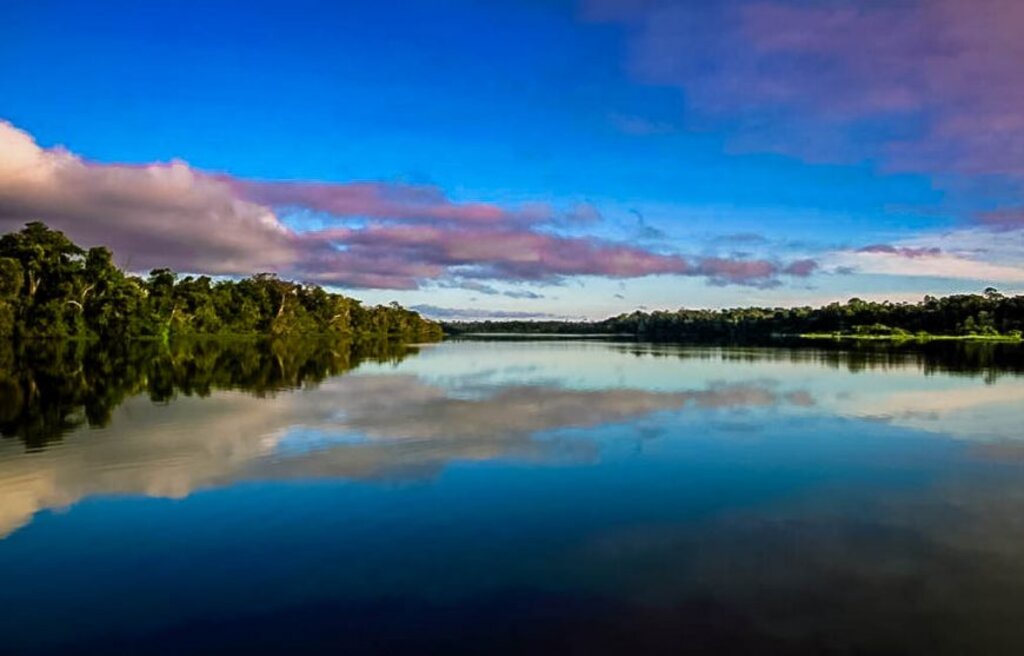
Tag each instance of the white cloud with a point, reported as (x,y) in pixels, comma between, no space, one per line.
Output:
(990,257)
(156,214)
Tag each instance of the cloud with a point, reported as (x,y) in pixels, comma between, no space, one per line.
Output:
(901,251)
(757,273)
(487,290)
(522,293)
(378,235)
(491,253)
(801,268)
(971,254)
(150,215)
(386,201)
(645,230)
(173,215)
(723,271)
(931,86)
(437,312)
(471,285)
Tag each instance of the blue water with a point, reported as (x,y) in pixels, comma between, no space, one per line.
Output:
(527,497)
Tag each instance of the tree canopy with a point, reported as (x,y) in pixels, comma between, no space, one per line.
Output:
(52,288)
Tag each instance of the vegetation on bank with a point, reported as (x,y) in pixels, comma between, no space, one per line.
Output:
(986,316)
(52,288)
(902,336)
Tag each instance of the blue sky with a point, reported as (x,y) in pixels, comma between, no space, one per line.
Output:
(684,149)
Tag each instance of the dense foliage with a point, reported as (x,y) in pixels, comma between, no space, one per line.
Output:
(986,314)
(50,287)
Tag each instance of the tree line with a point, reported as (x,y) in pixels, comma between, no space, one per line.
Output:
(52,288)
(989,314)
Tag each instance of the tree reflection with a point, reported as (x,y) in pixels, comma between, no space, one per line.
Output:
(50,388)
(988,359)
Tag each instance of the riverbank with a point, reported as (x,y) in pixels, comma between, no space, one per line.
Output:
(919,337)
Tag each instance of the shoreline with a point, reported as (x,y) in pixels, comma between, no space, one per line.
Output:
(909,338)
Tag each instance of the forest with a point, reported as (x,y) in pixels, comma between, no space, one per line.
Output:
(52,288)
(989,315)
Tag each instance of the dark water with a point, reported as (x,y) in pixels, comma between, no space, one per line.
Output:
(571,497)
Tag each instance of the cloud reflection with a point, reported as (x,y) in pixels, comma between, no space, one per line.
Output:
(358,427)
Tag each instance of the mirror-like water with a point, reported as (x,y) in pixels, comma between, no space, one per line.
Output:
(520,496)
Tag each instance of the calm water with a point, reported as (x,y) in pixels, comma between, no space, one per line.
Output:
(513,496)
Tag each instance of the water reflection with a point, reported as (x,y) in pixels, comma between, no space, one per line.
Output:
(166,421)
(50,388)
(384,426)
(750,499)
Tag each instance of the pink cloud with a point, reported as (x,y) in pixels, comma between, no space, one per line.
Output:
(757,273)
(411,252)
(526,255)
(931,86)
(750,272)
(172,215)
(389,201)
(801,268)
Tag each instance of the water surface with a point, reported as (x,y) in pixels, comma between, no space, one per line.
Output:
(513,496)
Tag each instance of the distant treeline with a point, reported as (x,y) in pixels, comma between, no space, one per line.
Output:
(52,288)
(989,314)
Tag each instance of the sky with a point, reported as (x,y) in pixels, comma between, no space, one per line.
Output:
(533,159)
